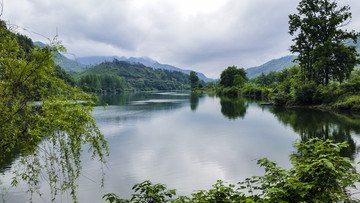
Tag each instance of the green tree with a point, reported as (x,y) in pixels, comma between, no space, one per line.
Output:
(90,83)
(233,76)
(320,41)
(194,80)
(43,118)
(63,75)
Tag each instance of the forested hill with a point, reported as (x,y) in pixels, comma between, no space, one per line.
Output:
(132,76)
(273,65)
(95,60)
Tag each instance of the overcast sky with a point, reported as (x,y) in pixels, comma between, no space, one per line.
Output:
(202,35)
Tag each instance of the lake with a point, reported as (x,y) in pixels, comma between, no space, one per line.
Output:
(189,141)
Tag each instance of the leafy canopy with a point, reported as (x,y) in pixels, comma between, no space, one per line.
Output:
(194,80)
(233,76)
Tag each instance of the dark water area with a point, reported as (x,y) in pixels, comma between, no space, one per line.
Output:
(188,141)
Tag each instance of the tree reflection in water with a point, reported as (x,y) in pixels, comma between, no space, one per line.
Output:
(322,124)
(194,101)
(233,108)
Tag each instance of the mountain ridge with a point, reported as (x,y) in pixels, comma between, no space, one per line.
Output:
(83,63)
(272,65)
(137,76)
(146,61)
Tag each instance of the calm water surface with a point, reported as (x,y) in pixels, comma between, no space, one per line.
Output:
(189,141)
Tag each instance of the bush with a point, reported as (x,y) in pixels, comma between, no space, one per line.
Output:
(229,91)
(326,94)
(353,87)
(147,193)
(303,94)
(348,103)
(281,99)
(253,90)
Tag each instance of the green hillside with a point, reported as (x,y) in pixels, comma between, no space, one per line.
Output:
(273,65)
(136,76)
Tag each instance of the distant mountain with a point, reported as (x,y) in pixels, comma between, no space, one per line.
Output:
(64,62)
(284,62)
(139,76)
(273,65)
(146,61)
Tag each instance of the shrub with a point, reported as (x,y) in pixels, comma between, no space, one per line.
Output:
(348,103)
(281,98)
(326,94)
(228,91)
(303,94)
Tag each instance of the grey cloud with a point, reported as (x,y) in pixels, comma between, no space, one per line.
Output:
(243,33)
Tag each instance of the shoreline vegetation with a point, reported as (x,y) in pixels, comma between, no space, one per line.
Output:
(325,75)
(284,88)
(288,89)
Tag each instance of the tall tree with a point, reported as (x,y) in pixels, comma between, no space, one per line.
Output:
(320,41)
(233,76)
(194,80)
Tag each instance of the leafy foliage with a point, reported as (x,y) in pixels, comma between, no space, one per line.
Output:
(63,75)
(101,83)
(194,80)
(319,174)
(147,193)
(320,41)
(43,118)
(232,76)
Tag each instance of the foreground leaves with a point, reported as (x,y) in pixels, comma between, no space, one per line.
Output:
(43,119)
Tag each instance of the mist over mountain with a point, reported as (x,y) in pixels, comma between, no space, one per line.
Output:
(64,62)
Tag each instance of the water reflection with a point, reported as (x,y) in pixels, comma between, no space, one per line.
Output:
(7,157)
(323,124)
(194,101)
(156,136)
(233,108)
